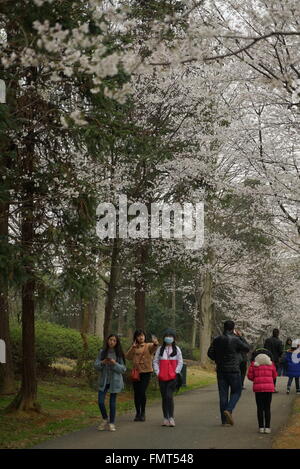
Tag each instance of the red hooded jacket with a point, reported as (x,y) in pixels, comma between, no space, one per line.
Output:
(262,374)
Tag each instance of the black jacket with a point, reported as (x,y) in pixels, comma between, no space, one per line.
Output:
(275,346)
(226,351)
(243,354)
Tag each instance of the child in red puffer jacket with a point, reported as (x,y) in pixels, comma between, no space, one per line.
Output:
(262,372)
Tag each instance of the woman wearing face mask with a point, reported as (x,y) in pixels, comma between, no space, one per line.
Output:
(167,364)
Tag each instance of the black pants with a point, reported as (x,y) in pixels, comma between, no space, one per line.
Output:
(263,403)
(167,389)
(243,368)
(140,388)
(290,380)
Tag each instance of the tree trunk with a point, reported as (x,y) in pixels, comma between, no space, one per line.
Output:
(173,307)
(111,293)
(7,385)
(140,288)
(92,304)
(7,147)
(120,324)
(100,311)
(206,311)
(85,305)
(195,322)
(26,399)
(75,319)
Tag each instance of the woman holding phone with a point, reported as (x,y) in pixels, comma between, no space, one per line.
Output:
(141,353)
(111,364)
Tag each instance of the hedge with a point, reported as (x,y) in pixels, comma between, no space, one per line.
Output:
(53,341)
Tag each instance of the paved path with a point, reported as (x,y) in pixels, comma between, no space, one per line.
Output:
(198,425)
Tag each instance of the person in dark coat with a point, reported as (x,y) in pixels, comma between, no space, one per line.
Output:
(275,346)
(287,346)
(243,358)
(225,351)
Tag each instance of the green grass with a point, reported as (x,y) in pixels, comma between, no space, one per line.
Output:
(69,404)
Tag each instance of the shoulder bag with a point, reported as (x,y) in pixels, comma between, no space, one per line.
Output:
(135,373)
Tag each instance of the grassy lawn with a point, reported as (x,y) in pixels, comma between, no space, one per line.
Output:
(69,404)
(289,436)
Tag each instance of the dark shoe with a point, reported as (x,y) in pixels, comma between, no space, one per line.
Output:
(288,391)
(228,417)
(137,418)
(276,392)
(142,418)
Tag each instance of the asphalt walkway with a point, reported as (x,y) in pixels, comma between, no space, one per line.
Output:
(197,425)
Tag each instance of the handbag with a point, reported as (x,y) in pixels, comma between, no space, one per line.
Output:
(135,374)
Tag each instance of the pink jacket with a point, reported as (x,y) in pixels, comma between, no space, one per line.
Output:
(262,376)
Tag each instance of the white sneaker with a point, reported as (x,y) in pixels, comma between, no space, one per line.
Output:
(261,430)
(111,427)
(165,423)
(102,426)
(171,422)
(267,430)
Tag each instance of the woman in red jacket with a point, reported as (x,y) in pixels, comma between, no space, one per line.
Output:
(263,372)
(167,365)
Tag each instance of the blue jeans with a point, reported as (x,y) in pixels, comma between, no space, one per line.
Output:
(112,404)
(228,381)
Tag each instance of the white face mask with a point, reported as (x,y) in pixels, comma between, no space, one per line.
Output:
(169,340)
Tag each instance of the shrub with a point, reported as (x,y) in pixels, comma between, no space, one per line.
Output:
(53,341)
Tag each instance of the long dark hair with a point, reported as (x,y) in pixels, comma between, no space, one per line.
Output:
(174,349)
(118,349)
(137,333)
